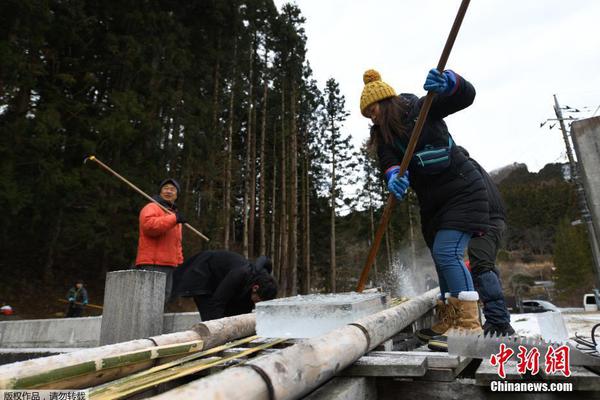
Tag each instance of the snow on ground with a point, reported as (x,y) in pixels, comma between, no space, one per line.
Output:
(555,326)
(581,323)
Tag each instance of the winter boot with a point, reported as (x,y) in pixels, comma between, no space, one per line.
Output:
(466,320)
(444,315)
(497,317)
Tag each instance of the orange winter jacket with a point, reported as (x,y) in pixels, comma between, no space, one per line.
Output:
(160,238)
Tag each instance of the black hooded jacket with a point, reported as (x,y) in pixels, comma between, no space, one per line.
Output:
(497,208)
(456,197)
(224,278)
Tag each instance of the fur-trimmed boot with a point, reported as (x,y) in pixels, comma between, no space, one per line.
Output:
(444,315)
(466,310)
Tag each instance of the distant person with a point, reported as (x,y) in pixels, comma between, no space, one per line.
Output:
(224,283)
(482,251)
(78,299)
(159,245)
(451,192)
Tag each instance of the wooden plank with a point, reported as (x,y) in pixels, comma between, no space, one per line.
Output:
(581,378)
(393,366)
(487,373)
(346,388)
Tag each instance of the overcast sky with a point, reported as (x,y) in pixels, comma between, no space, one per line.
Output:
(517,54)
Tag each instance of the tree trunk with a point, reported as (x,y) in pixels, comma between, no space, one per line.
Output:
(263,162)
(293,258)
(215,97)
(283,222)
(306,224)
(53,240)
(229,154)
(332,272)
(252,206)
(274,251)
(372,229)
(248,178)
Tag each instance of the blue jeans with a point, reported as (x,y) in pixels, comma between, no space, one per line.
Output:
(447,252)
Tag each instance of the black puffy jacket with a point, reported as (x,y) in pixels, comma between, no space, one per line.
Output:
(223,276)
(456,197)
(497,208)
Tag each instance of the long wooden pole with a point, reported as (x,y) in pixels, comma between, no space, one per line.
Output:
(131,185)
(412,143)
(81,304)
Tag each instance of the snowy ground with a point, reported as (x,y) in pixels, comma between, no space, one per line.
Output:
(581,322)
(556,326)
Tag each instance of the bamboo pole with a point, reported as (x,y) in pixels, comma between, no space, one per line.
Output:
(131,185)
(412,143)
(142,383)
(296,370)
(81,304)
(77,369)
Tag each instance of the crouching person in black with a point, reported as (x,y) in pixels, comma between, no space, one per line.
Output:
(224,283)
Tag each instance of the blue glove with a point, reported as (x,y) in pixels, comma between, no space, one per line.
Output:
(397,185)
(71,299)
(440,82)
(85,302)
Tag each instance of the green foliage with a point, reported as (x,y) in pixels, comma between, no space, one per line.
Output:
(535,202)
(572,259)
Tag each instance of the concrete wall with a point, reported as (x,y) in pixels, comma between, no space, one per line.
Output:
(586,140)
(73,332)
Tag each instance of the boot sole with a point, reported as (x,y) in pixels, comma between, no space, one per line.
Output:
(436,345)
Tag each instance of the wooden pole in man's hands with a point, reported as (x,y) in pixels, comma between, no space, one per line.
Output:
(131,185)
(412,143)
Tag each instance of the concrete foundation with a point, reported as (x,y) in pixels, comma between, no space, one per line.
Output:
(133,305)
(73,332)
(346,389)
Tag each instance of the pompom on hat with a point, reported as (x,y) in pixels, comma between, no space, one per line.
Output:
(375,90)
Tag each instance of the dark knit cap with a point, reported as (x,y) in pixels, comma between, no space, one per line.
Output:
(171,181)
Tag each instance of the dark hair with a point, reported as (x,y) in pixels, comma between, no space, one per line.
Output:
(267,286)
(393,113)
(264,262)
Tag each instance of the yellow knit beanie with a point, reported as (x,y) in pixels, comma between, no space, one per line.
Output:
(375,90)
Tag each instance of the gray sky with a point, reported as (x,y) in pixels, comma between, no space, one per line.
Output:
(517,54)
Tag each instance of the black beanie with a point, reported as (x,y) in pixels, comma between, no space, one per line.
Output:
(172,181)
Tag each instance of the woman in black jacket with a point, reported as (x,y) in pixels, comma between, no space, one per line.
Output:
(451,192)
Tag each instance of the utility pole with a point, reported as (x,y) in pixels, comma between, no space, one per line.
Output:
(581,199)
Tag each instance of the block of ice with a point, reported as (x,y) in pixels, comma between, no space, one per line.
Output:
(315,314)
(549,325)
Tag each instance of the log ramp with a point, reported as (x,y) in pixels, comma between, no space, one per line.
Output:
(90,367)
(297,370)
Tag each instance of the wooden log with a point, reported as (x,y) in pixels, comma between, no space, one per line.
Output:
(224,330)
(296,370)
(74,370)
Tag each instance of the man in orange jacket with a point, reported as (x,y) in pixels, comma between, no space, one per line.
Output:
(159,245)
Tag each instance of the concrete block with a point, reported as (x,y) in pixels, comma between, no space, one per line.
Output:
(315,314)
(54,332)
(133,305)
